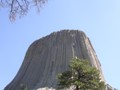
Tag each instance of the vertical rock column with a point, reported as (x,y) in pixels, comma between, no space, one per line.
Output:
(51,55)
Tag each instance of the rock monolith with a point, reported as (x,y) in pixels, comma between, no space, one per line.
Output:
(51,55)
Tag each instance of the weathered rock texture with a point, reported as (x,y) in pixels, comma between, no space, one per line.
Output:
(50,55)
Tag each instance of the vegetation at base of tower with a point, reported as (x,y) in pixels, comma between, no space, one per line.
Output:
(20,7)
(23,87)
(80,76)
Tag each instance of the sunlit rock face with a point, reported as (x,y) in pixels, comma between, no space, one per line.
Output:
(51,55)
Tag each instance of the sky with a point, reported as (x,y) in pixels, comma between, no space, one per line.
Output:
(99,19)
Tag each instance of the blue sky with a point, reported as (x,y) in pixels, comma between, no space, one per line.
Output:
(99,19)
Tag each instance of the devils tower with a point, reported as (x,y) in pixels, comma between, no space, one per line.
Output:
(48,56)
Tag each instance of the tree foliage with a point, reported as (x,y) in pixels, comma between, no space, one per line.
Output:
(81,76)
(20,7)
(23,87)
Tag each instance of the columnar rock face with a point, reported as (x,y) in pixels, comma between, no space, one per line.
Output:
(51,55)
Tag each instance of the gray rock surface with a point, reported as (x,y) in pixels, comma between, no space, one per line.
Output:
(51,55)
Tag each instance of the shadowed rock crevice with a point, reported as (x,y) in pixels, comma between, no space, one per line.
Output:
(51,55)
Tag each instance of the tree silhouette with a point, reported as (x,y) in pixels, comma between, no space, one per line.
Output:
(20,7)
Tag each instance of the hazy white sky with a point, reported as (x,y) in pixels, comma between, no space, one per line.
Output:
(99,19)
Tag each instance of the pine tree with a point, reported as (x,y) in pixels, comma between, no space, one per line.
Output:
(81,75)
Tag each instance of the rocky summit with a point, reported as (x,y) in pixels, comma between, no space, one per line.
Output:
(50,55)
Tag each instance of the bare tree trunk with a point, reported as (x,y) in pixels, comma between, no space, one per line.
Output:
(77,88)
